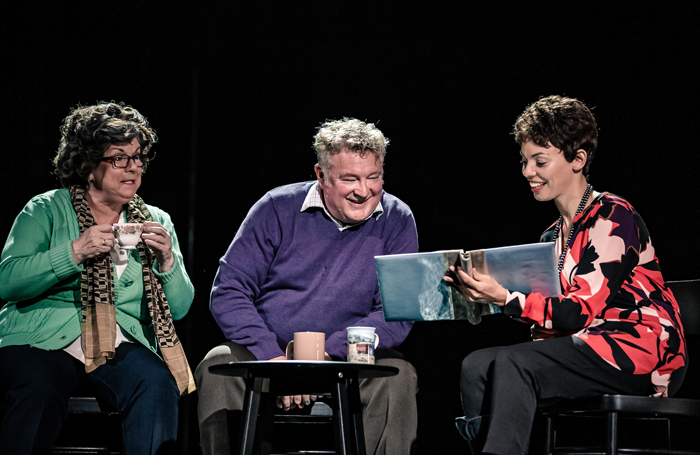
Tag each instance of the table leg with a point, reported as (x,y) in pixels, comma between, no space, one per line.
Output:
(341,419)
(266,420)
(251,405)
(355,410)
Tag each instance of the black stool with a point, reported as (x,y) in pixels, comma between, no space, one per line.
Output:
(92,427)
(269,379)
(613,408)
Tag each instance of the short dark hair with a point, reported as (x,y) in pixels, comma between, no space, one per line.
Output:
(88,131)
(565,123)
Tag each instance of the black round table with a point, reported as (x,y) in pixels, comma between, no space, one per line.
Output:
(265,380)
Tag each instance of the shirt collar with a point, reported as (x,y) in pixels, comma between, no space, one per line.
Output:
(314,199)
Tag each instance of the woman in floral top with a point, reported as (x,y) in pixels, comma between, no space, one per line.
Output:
(615,328)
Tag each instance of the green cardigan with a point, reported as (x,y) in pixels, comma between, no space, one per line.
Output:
(41,282)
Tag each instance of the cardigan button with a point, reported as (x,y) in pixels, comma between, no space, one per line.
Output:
(128,283)
(133,330)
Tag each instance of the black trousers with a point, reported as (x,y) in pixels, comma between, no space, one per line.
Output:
(506,384)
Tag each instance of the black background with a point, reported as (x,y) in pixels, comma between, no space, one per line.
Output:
(236,90)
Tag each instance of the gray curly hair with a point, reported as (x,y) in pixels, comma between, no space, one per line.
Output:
(349,133)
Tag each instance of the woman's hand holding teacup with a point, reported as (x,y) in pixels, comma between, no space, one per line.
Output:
(158,238)
(478,288)
(95,240)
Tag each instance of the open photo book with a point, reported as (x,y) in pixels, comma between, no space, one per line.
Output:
(412,287)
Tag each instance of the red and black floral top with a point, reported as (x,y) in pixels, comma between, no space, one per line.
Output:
(613,294)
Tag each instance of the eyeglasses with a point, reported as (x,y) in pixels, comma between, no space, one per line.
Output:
(122,161)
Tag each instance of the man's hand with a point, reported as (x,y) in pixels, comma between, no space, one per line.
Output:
(296,401)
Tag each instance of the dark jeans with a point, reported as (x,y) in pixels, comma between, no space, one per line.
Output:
(389,415)
(506,384)
(36,385)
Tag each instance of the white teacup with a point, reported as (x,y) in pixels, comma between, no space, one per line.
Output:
(127,234)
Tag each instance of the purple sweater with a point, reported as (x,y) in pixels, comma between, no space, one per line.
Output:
(288,271)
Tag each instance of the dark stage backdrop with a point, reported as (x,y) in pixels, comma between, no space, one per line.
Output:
(235,93)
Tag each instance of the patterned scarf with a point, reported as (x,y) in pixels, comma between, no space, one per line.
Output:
(98,315)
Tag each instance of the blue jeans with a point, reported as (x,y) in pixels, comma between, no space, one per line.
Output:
(36,385)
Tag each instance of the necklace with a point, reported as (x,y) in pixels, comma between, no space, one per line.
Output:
(557,228)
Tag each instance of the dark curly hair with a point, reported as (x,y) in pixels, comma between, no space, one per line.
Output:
(565,123)
(88,131)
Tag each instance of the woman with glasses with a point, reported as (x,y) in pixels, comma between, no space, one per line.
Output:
(80,307)
(615,328)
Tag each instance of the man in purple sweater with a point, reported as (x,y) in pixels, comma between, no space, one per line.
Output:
(303,260)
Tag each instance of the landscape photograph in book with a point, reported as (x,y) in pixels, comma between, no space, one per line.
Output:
(419,293)
(413,289)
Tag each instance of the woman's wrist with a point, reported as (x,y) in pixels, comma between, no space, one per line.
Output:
(502,296)
(77,257)
(164,265)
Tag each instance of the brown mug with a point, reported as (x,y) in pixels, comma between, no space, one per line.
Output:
(307,346)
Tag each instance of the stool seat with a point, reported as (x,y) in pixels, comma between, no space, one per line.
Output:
(265,380)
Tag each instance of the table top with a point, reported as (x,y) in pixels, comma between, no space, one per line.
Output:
(287,368)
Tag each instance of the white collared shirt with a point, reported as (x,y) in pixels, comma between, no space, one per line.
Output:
(314,199)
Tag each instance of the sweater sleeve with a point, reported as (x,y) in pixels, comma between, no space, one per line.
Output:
(242,272)
(30,263)
(605,251)
(403,239)
(176,283)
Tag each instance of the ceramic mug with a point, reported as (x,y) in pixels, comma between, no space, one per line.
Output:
(307,346)
(127,234)
(362,341)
